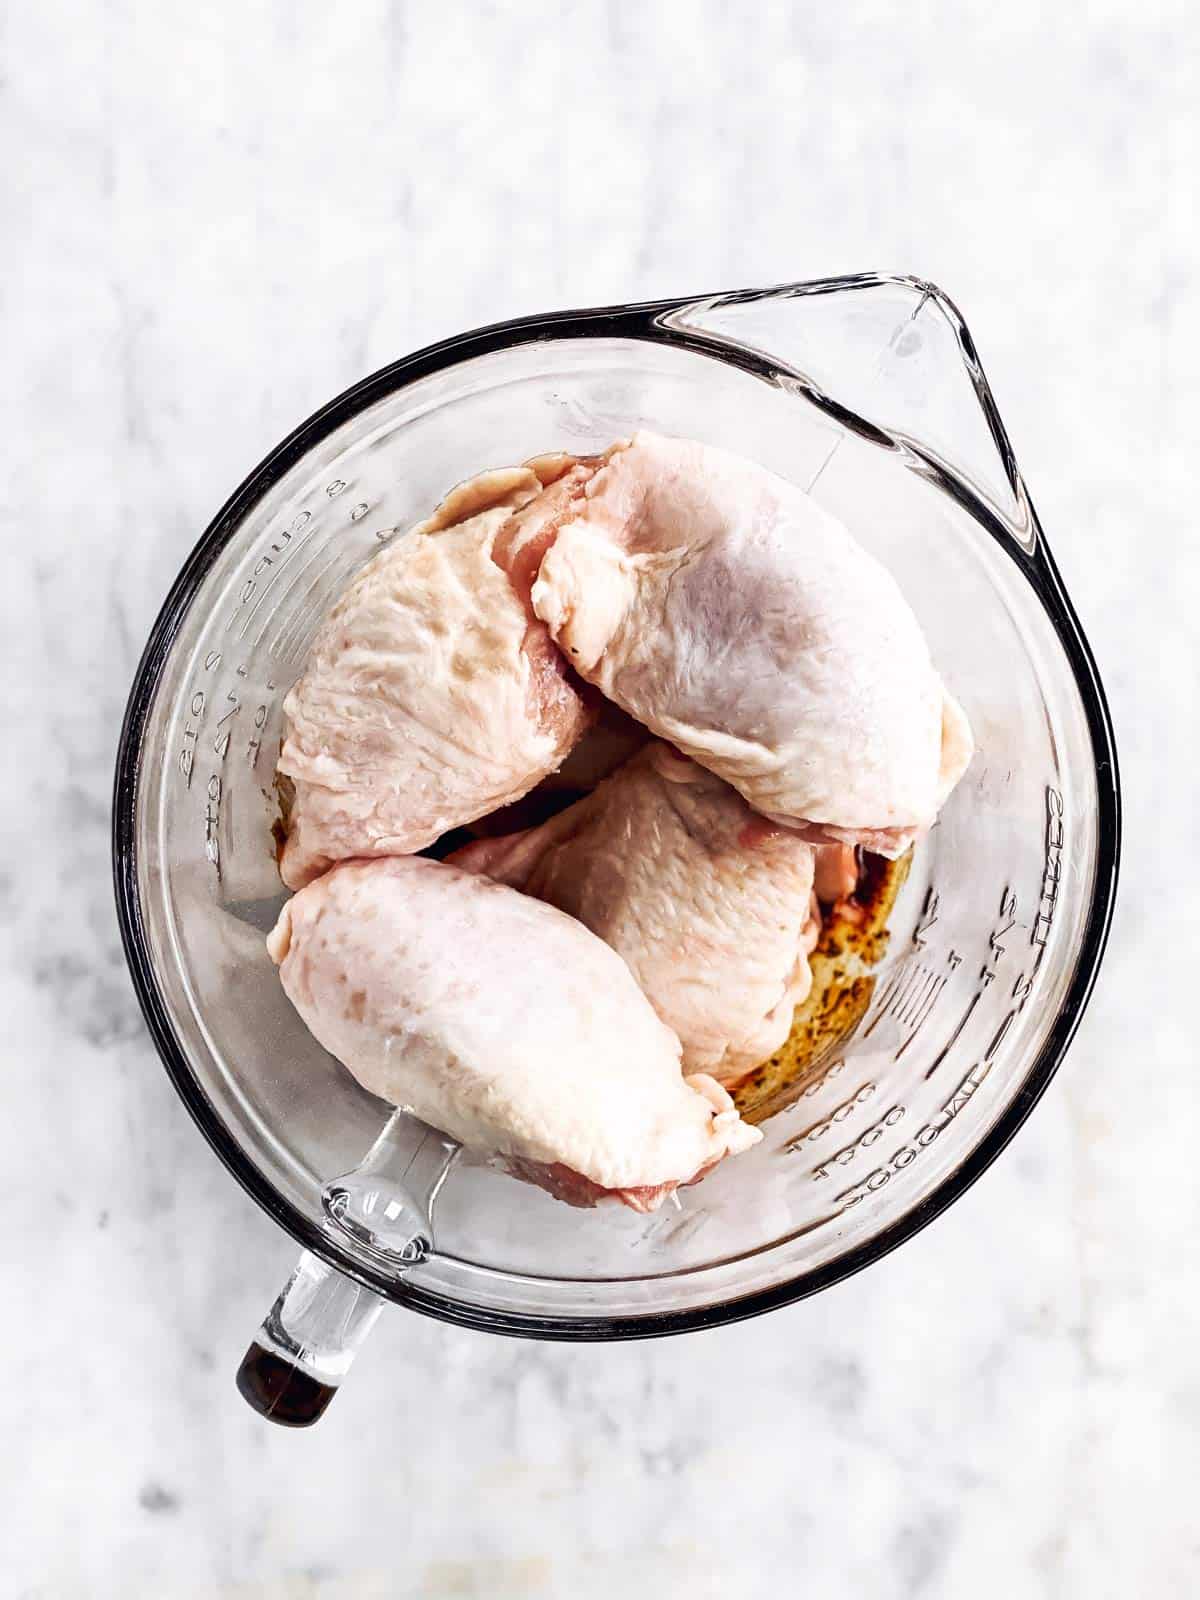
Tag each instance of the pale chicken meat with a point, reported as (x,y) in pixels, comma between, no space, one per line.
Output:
(503,1022)
(432,695)
(724,609)
(708,903)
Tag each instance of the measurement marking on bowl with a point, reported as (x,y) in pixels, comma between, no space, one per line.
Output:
(831,1071)
(818,1130)
(261,712)
(926,1135)
(919,1021)
(212,820)
(899,990)
(286,562)
(885,999)
(294,630)
(1055,841)
(294,578)
(196,707)
(311,609)
(953,1039)
(919,996)
(814,1088)
(928,917)
(221,742)
(281,547)
(999,942)
(868,1137)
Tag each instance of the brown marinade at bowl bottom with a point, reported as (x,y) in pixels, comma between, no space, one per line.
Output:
(853,941)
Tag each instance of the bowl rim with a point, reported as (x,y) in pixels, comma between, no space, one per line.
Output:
(645,321)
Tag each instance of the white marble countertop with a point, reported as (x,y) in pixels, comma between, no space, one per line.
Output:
(220,216)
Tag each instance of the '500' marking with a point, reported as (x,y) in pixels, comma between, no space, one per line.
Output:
(839,1114)
(872,1135)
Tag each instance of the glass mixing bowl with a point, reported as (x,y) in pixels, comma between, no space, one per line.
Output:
(867,391)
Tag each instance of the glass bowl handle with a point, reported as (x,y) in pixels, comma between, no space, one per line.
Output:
(306,1343)
(308,1340)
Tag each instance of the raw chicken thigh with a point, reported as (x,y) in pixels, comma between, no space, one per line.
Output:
(710,905)
(432,694)
(503,1022)
(727,611)
(543,994)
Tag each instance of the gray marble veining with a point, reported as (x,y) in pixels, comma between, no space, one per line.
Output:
(217,218)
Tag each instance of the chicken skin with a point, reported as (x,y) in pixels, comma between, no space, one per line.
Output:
(503,1022)
(724,609)
(432,695)
(709,904)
